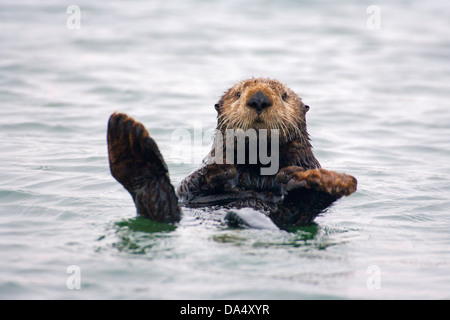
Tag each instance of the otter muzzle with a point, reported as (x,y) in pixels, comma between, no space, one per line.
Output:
(259,101)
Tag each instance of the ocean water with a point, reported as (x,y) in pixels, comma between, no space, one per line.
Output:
(376,78)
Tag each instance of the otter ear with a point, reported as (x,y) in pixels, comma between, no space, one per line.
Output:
(218,105)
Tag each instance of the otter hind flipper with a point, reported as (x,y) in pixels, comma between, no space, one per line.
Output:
(136,162)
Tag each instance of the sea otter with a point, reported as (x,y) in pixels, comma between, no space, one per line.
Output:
(292,195)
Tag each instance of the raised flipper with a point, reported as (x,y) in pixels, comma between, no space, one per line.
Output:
(136,162)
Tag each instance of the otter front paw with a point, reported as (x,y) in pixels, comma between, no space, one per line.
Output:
(333,183)
(219,177)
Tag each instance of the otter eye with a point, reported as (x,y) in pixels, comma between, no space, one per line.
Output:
(238,94)
(284,96)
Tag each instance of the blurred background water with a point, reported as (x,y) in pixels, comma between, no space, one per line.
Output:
(380,111)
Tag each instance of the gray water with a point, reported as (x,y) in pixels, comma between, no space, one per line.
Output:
(380,111)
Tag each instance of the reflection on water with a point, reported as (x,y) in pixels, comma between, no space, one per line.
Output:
(139,235)
(301,237)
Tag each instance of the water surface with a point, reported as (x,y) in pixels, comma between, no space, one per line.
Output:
(379,111)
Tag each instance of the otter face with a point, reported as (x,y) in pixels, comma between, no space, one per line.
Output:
(262,104)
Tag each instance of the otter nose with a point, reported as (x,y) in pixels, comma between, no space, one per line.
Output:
(259,101)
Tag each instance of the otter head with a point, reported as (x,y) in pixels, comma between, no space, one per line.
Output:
(263,104)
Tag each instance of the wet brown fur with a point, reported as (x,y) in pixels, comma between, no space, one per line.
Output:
(287,115)
(294,196)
